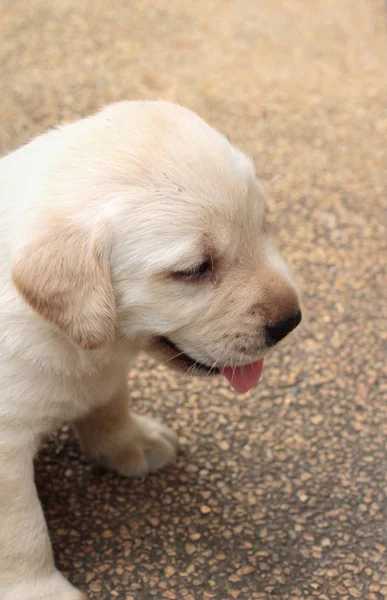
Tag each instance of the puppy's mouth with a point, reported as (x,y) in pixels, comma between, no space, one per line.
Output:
(242,377)
(180,359)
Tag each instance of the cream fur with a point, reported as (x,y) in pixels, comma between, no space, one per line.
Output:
(95,218)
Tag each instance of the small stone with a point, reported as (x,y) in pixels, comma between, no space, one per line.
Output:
(190,549)
(205,495)
(326,542)
(315,585)
(103,568)
(223,445)
(204,509)
(355,593)
(169,571)
(74,533)
(332,573)
(107,534)
(302,496)
(317,419)
(282,456)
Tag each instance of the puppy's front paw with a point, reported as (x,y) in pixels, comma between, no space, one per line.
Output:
(52,587)
(147,447)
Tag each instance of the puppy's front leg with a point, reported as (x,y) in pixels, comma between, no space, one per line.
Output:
(27,570)
(124,441)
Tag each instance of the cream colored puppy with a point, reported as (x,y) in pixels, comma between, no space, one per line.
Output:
(138,228)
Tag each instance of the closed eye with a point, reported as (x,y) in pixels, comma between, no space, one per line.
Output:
(195,273)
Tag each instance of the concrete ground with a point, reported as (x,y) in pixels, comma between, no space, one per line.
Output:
(280,493)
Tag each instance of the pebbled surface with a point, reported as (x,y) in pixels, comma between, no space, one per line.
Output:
(280,493)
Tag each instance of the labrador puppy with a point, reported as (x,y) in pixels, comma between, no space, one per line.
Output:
(139,228)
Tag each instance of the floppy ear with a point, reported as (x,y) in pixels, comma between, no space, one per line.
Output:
(64,276)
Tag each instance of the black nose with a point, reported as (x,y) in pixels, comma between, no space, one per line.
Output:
(275,333)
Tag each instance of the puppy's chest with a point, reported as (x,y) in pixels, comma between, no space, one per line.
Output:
(68,399)
(67,396)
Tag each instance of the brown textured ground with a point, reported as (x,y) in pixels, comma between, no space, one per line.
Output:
(281,493)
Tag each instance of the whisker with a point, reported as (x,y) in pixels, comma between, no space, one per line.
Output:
(172,358)
(191,368)
(213,366)
(278,178)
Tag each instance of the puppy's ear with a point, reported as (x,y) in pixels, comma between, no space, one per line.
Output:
(65,277)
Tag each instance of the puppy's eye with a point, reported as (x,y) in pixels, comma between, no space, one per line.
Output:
(195,273)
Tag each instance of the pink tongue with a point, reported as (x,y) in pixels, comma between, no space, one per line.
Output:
(244,378)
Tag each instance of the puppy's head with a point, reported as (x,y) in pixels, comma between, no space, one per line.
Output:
(161,232)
